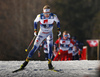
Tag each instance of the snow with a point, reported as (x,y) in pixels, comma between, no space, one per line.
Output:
(82,68)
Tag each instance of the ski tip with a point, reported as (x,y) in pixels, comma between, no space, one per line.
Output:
(14,71)
(17,70)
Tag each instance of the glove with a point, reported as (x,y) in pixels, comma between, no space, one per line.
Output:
(35,33)
(59,53)
(68,35)
(59,33)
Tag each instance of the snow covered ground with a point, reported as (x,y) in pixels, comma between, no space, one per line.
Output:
(83,68)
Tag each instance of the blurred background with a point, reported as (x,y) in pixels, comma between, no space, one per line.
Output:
(81,18)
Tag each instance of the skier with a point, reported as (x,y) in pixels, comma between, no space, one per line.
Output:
(64,46)
(75,53)
(46,20)
(78,45)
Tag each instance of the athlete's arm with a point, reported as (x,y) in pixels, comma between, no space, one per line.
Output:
(37,19)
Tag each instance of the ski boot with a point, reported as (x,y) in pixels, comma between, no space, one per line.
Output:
(50,66)
(25,63)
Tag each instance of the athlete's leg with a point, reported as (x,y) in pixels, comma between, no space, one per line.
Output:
(37,42)
(50,44)
(57,57)
(66,54)
(62,55)
(46,56)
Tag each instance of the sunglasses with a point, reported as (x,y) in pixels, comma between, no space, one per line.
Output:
(65,35)
(46,13)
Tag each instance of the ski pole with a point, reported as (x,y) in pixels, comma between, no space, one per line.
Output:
(30,44)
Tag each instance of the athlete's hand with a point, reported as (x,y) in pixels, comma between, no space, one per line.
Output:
(59,33)
(59,53)
(35,33)
(54,51)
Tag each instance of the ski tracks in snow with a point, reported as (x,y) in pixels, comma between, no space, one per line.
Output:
(40,69)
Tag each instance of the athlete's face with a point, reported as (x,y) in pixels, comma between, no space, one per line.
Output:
(75,47)
(65,36)
(46,14)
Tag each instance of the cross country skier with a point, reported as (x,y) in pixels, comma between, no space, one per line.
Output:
(75,53)
(79,47)
(65,45)
(46,20)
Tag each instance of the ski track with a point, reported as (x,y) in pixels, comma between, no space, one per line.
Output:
(75,68)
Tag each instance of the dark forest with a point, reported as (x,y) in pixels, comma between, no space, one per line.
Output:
(81,18)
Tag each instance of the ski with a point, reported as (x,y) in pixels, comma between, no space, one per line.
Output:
(20,69)
(55,70)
